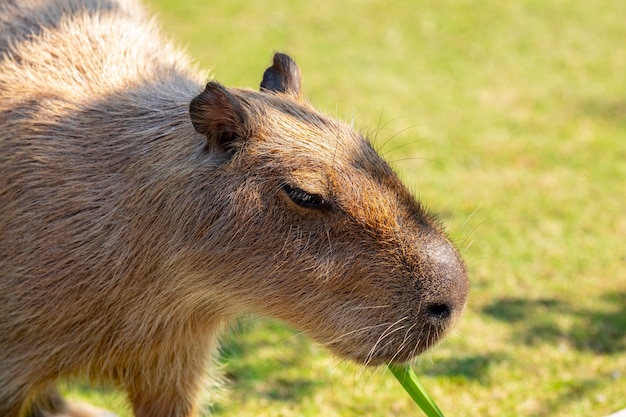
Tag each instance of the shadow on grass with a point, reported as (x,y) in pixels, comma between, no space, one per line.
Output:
(601,330)
(614,111)
(265,362)
(469,368)
(571,391)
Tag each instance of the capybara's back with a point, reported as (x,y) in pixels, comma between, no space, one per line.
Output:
(141,210)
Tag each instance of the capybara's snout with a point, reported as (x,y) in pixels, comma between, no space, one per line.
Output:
(449,293)
(425,305)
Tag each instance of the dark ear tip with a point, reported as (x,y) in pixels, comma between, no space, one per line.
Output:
(283,76)
(210,86)
(214,92)
(196,106)
(216,109)
(213,87)
(283,60)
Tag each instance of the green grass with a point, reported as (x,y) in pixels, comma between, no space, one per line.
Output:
(508,119)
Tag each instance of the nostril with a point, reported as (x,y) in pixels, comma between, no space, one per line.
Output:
(438,311)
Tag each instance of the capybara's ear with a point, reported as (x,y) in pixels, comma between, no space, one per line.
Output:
(219,116)
(283,76)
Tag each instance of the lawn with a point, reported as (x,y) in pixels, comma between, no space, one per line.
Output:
(506,118)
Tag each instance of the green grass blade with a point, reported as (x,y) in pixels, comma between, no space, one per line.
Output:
(411,384)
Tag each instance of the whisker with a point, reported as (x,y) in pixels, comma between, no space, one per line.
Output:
(401,146)
(369,307)
(469,218)
(415,158)
(471,231)
(380,127)
(353,332)
(398,133)
(293,336)
(388,331)
(404,342)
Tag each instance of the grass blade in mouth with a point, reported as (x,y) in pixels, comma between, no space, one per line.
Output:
(405,375)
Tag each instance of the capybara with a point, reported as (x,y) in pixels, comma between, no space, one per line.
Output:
(141,210)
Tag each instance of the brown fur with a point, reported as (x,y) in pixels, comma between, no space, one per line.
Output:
(140,213)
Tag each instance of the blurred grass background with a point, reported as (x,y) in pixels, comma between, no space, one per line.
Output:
(506,118)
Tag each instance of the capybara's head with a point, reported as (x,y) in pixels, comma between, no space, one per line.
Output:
(317,230)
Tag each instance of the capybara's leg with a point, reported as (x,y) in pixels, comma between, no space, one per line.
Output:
(174,395)
(164,404)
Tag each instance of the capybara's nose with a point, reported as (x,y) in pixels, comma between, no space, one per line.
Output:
(449,283)
(438,311)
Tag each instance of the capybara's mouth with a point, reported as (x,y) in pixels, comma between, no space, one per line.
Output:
(397,344)
(401,355)
(408,352)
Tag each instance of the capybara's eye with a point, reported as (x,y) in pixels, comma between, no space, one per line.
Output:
(305,199)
